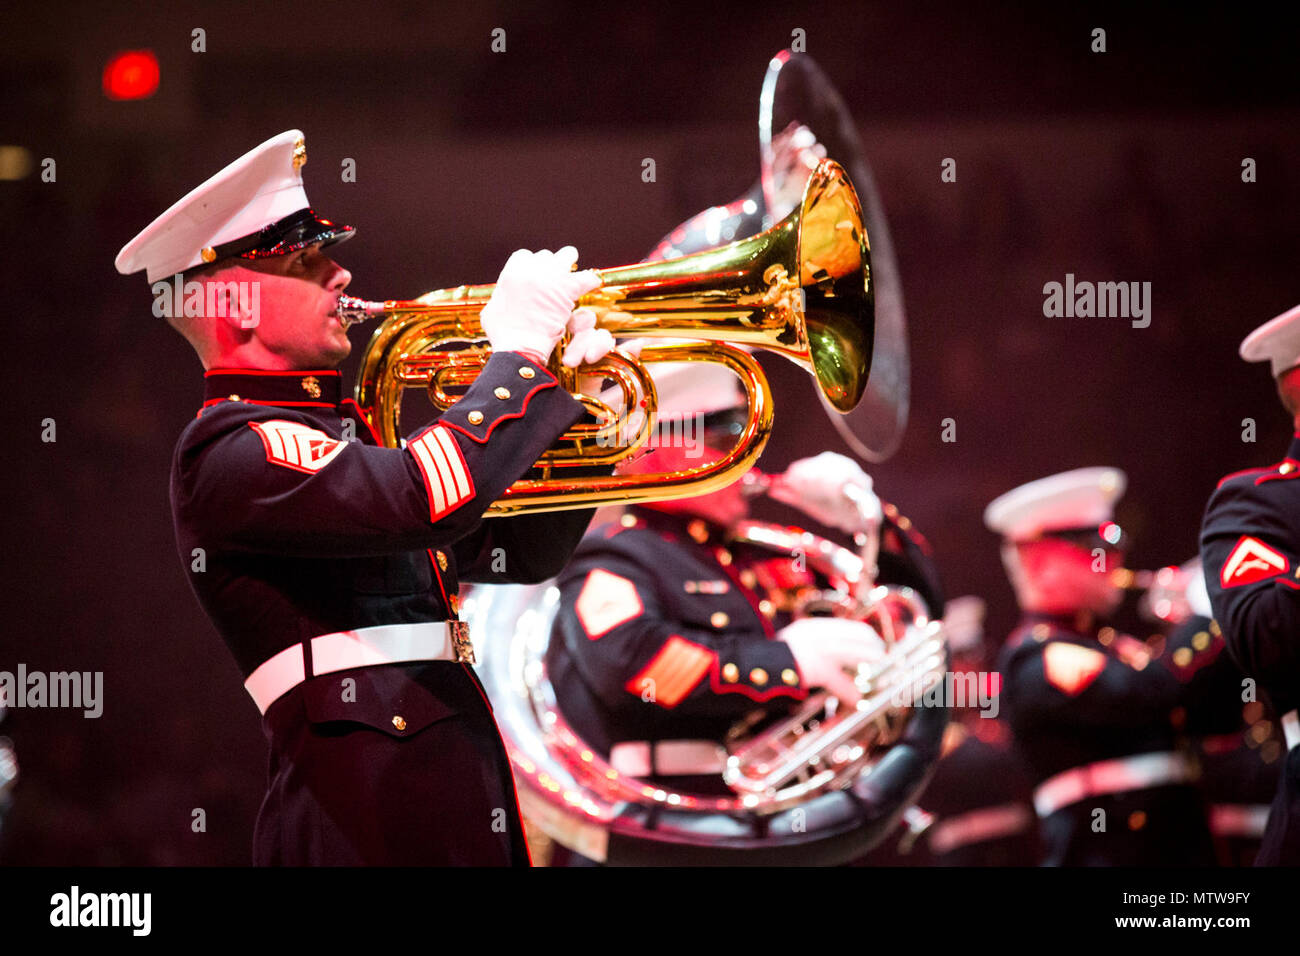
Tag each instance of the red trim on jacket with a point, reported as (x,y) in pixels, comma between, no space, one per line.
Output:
(523,833)
(519,414)
(258,401)
(721,687)
(541,366)
(1293,473)
(288,372)
(1238,474)
(437,575)
(361,416)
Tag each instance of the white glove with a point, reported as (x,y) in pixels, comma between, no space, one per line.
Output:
(593,385)
(533,300)
(824,646)
(832,489)
(589,344)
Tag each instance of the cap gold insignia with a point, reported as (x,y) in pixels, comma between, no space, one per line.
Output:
(311,385)
(299,153)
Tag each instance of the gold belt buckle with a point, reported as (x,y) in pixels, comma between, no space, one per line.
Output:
(461,643)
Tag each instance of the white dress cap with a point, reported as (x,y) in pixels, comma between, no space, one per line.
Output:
(235,212)
(1081,498)
(1277,340)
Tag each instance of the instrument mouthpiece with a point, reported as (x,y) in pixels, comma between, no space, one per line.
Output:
(352,310)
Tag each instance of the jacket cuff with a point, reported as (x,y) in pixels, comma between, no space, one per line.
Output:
(760,670)
(504,390)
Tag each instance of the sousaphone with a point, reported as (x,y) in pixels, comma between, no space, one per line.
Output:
(820,785)
(799,104)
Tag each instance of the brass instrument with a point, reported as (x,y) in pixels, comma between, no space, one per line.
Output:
(802,289)
(797,100)
(821,786)
(797,92)
(817,747)
(1170,595)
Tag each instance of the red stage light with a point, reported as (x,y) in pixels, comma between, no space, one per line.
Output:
(132,75)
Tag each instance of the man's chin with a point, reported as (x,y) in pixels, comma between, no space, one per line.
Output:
(336,354)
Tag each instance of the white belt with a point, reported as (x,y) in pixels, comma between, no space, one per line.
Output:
(979,826)
(1238,819)
(672,757)
(1291,728)
(1110,776)
(363,647)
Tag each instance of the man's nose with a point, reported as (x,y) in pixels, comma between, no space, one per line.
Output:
(339,278)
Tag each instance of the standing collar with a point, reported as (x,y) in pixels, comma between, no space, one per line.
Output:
(310,388)
(680,526)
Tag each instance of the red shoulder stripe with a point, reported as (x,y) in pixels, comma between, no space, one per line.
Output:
(1239,474)
(1292,472)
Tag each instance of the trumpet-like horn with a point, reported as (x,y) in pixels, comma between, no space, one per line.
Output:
(801,289)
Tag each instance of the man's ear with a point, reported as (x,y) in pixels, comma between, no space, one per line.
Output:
(232,295)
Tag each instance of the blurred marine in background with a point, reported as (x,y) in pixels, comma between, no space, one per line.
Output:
(673,629)
(1098,717)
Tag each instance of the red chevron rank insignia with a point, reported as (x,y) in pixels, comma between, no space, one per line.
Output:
(607,600)
(297,446)
(1252,560)
(1071,668)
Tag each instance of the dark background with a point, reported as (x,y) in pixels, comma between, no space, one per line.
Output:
(1120,166)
